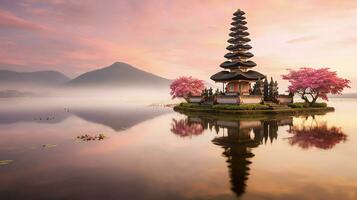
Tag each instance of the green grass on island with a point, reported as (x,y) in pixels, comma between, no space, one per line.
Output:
(259,109)
(306,105)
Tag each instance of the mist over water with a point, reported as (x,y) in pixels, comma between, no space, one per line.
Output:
(94,96)
(152,152)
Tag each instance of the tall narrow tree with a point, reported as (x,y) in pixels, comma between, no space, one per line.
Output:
(266,90)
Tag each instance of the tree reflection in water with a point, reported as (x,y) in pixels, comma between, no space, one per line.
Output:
(319,135)
(184,128)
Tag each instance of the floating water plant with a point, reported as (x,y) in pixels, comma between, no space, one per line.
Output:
(5,162)
(48,145)
(87,137)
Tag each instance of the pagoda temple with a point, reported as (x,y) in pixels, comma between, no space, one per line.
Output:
(241,84)
(237,73)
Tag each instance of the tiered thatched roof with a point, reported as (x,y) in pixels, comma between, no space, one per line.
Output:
(238,58)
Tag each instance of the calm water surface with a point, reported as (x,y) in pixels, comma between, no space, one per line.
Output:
(155,153)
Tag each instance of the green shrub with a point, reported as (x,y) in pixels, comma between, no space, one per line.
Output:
(240,107)
(298,105)
(190,105)
(319,105)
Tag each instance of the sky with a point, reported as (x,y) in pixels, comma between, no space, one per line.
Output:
(174,38)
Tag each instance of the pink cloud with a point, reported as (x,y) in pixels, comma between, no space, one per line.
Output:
(302,39)
(9,20)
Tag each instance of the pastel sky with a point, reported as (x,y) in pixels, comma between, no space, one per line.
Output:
(176,37)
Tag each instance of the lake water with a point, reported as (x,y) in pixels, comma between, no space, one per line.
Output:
(156,153)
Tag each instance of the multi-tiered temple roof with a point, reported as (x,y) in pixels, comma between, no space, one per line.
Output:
(238,63)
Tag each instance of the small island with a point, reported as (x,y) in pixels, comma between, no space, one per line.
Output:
(256,109)
(245,91)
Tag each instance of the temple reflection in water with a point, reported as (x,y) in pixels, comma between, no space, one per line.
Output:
(237,138)
(240,138)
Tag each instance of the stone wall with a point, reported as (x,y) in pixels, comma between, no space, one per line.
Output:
(237,99)
(227,99)
(197,99)
(285,99)
(246,99)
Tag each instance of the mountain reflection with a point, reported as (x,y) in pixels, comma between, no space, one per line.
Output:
(117,118)
(236,137)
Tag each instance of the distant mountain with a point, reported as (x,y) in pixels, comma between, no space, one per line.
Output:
(116,75)
(119,74)
(41,78)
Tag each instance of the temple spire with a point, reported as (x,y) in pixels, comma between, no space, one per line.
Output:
(238,57)
(238,75)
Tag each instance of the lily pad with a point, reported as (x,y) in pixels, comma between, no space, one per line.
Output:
(5,162)
(87,137)
(48,145)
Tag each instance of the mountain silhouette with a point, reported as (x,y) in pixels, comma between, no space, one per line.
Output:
(43,78)
(119,74)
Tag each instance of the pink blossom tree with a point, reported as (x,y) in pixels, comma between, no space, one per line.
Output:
(184,86)
(312,84)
